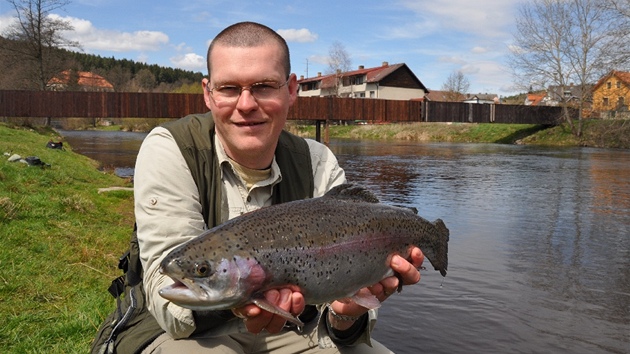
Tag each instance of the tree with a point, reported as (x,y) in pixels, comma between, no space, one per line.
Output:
(145,80)
(455,86)
(338,62)
(564,42)
(119,77)
(36,37)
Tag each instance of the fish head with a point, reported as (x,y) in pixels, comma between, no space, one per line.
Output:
(205,284)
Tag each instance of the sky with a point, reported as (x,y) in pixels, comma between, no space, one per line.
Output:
(434,38)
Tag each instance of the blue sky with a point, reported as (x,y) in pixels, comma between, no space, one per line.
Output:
(434,38)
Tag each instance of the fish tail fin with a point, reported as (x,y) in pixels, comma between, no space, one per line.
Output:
(441,228)
(442,249)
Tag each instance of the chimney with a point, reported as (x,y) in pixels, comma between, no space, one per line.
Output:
(338,71)
(319,74)
(385,64)
(361,67)
(301,77)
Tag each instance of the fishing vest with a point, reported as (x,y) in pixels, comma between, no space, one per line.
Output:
(194,135)
(131,327)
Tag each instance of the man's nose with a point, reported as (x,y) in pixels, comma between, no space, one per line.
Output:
(246,101)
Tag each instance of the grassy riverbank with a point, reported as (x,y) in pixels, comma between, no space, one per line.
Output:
(60,243)
(596,133)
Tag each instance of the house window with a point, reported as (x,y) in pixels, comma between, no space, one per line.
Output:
(618,84)
(353,80)
(310,86)
(605,102)
(609,85)
(372,94)
(620,103)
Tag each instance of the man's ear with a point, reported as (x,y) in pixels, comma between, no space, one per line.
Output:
(293,88)
(206,93)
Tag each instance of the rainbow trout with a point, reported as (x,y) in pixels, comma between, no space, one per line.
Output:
(327,248)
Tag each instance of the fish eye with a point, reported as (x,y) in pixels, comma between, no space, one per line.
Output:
(202,269)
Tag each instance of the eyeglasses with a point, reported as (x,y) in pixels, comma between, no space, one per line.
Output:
(261,91)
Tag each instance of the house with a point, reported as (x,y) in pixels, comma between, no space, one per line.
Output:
(393,82)
(611,94)
(480,98)
(444,96)
(450,96)
(79,81)
(535,98)
(571,94)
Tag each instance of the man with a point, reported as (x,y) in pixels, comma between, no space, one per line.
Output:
(205,169)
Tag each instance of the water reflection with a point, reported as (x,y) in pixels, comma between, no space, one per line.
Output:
(539,252)
(112,149)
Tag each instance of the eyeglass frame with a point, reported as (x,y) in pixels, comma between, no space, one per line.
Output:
(243,88)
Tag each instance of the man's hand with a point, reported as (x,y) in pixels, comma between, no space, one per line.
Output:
(256,319)
(409,274)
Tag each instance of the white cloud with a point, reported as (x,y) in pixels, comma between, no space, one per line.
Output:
(92,38)
(190,61)
(302,35)
(452,60)
(479,50)
(6,20)
(487,18)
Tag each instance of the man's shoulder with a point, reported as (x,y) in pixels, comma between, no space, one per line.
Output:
(192,130)
(191,122)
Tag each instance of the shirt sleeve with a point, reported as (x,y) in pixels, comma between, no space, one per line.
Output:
(326,170)
(168,213)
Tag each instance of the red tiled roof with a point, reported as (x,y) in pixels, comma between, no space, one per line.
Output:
(536,98)
(87,79)
(621,75)
(375,74)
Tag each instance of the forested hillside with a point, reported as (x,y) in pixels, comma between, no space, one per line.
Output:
(125,75)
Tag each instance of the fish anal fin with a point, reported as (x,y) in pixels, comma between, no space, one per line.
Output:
(367,300)
(269,307)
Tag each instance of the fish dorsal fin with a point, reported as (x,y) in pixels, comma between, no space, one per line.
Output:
(411,209)
(352,192)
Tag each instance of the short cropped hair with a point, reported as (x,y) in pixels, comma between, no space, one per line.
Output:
(250,34)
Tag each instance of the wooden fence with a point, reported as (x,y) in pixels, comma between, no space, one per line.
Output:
(65,104)
(493,113)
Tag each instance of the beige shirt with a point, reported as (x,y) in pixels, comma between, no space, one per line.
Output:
(168,211)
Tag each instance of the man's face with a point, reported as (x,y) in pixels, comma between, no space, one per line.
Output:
(249,127)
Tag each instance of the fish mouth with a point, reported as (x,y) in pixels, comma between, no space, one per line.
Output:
(184,291)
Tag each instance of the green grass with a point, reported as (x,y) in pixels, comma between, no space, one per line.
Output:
(60,243)
(596,133)
(430,132)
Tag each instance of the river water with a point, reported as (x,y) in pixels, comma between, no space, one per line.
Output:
(539,254)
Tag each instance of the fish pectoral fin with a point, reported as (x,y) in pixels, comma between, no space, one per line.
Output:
(269,307)
(367,300)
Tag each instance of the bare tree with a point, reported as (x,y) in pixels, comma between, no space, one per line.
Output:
(34,40)
(619,11)
(145,80)
(118,76)
(455,86)
(560,42)
(338,62)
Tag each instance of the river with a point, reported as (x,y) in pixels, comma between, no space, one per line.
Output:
(539,254)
